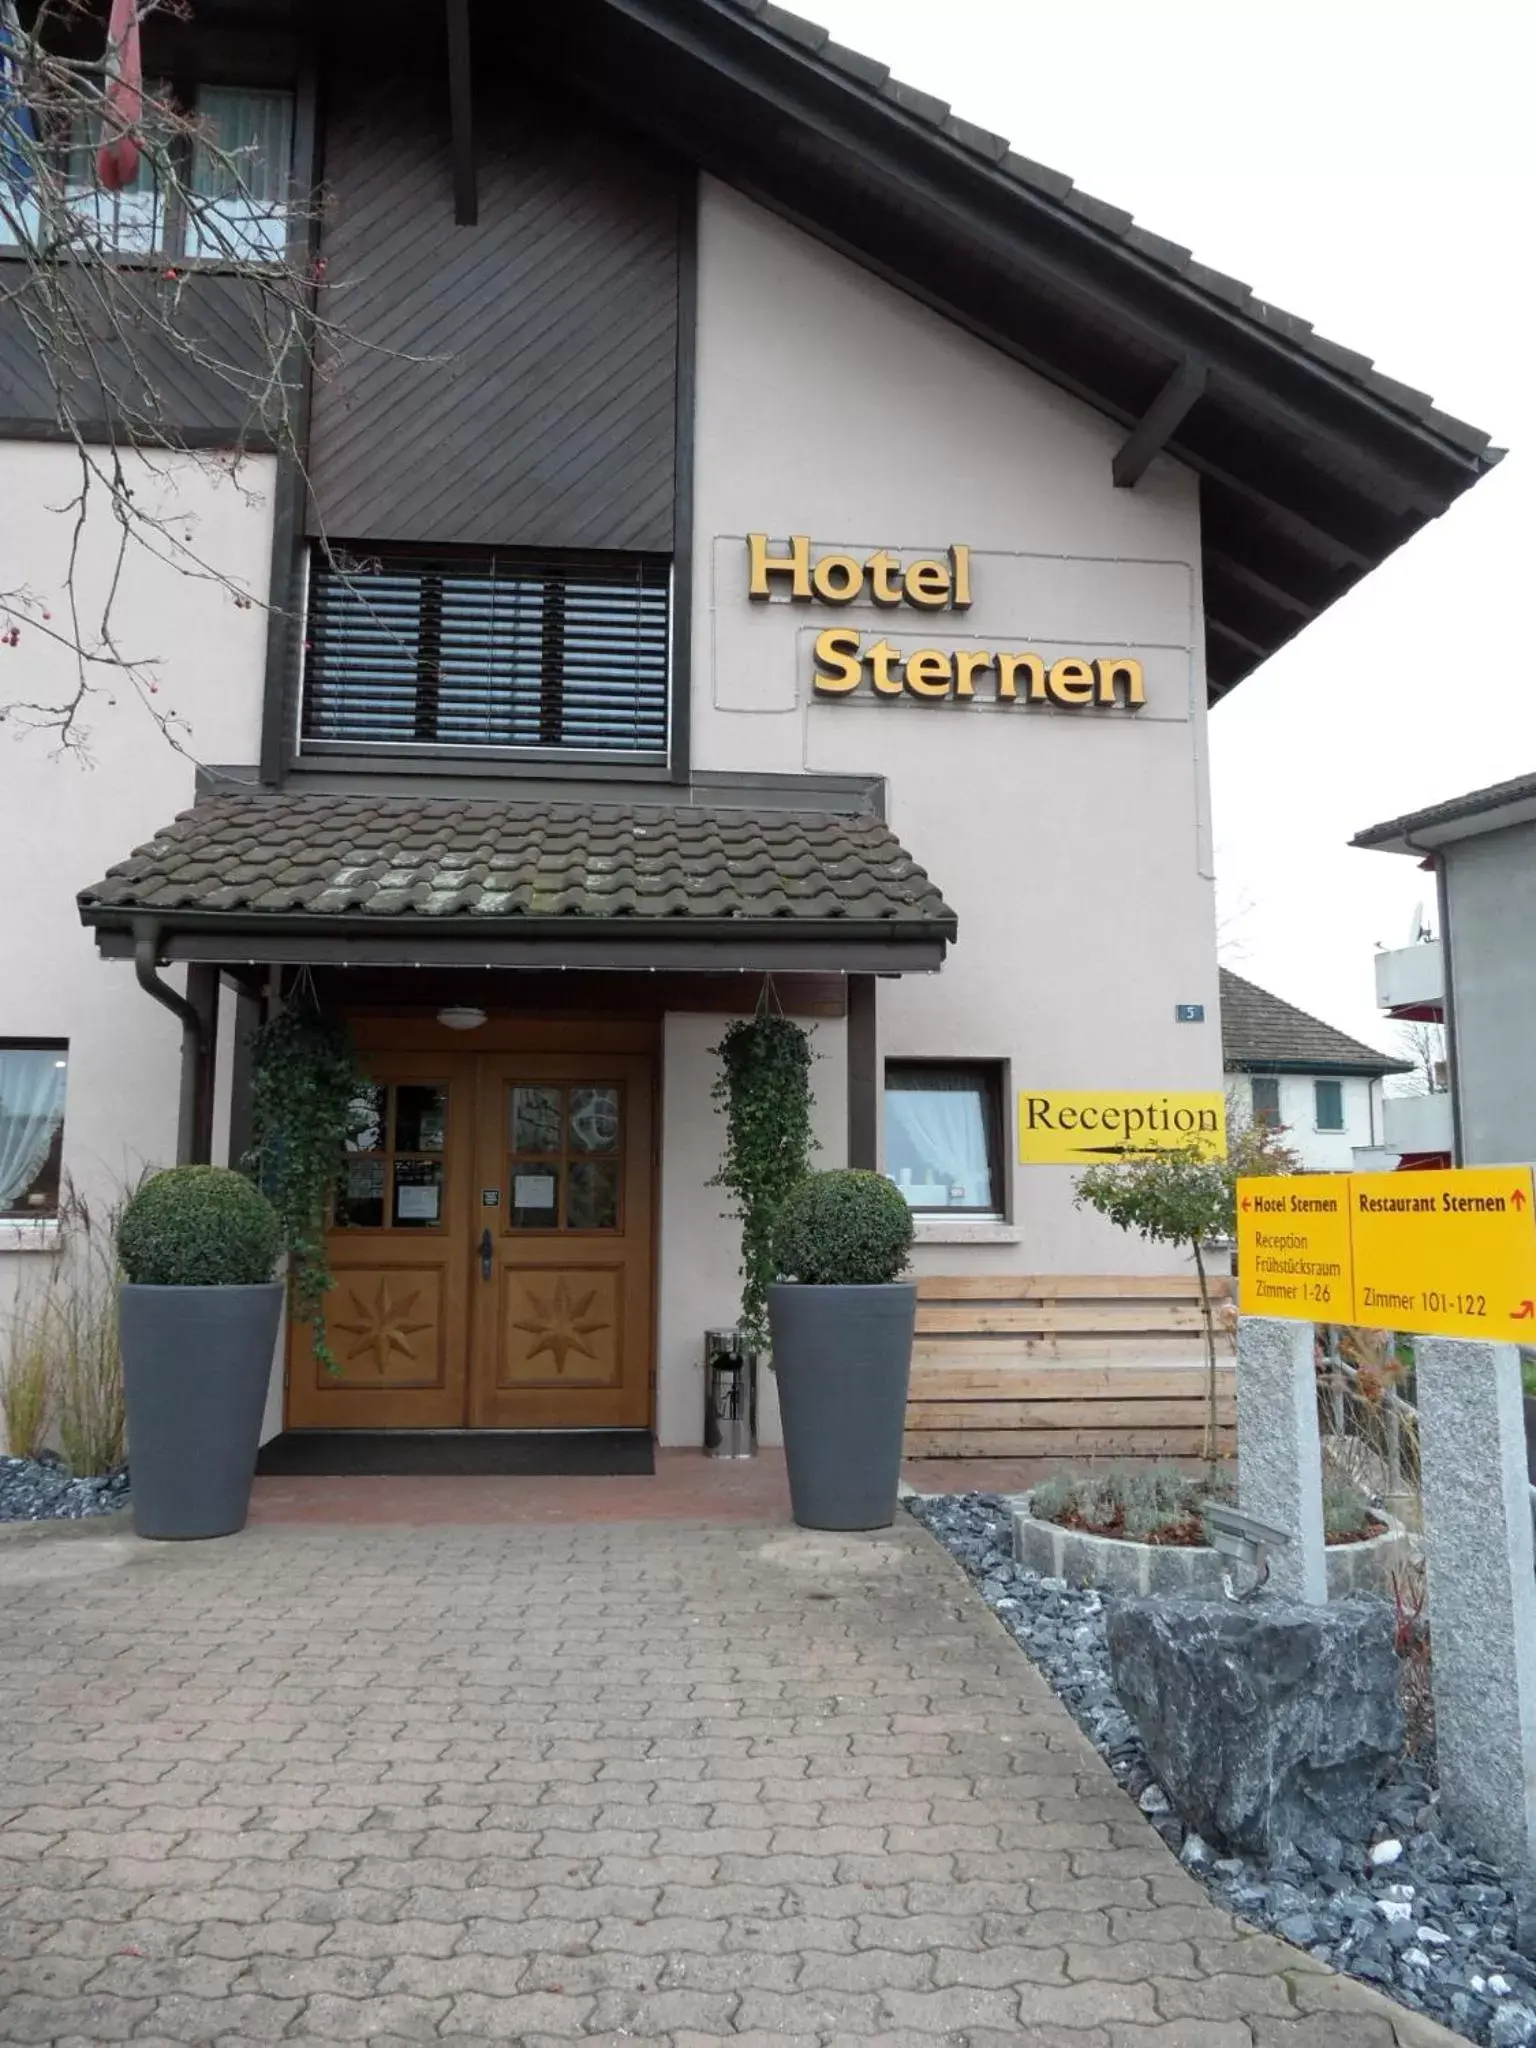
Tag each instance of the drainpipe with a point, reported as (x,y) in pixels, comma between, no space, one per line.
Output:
(146,951)
(1452,1064)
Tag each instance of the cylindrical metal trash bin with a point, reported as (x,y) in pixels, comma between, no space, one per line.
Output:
(730,1396)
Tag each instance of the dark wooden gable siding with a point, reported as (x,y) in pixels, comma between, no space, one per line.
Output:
(511,383)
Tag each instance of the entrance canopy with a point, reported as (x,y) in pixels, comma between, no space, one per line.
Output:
(413,882)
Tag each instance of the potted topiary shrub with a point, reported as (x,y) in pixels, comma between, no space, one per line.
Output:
(842,1323)
(198,1312)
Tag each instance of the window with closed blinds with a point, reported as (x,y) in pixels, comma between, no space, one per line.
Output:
(488,652)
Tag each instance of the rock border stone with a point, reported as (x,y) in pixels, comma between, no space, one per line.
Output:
(1112,1564)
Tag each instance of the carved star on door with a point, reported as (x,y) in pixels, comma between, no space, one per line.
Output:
(382,1326)
(560,1323)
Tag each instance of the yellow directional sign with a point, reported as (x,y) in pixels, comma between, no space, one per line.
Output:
(1449,1254)
(1439,1254)
(1293,1247)
(1096,1126)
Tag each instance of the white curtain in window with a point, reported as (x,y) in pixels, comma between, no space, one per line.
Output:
(938,1133)
(31,1110)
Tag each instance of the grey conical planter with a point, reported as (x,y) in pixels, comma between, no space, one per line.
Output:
(196,1365)
(843,1357)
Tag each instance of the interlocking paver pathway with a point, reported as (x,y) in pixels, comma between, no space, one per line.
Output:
(647,1783)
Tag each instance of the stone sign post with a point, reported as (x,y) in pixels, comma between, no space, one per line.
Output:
(1279,1458)
(1482,1592)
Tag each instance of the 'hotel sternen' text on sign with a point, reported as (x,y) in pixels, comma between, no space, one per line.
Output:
(1435,1254)
(844,662)
(1094,1126)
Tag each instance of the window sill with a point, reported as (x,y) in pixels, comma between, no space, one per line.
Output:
(18,1234)
(965,1230)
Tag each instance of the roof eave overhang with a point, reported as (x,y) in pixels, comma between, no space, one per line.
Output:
(641,945)
(1252,1064)
(1427,833)
(1310,477)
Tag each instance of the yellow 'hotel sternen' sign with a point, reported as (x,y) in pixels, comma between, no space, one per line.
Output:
(1438,1254)
(844,663)
(1096,1126)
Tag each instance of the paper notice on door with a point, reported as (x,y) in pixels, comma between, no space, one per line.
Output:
(416,1205)
(533,1191)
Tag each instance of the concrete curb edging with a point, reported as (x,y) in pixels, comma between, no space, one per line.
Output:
(1112,1565)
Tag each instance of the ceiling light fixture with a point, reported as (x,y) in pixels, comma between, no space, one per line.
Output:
(463,1017)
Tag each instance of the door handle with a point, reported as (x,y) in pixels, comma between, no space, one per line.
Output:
(487,1252)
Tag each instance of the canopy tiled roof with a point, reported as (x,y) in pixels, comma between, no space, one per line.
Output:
(1258,1030)
(279,855)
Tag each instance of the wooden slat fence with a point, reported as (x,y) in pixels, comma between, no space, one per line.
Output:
(1070,1368)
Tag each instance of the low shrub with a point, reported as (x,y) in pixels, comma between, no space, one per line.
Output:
(1346,1510)
(1150,1504)
(843,1228)
(1161,1503)
(199,1226)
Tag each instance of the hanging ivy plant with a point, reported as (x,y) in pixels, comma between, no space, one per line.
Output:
(308,1100)
(764,1088)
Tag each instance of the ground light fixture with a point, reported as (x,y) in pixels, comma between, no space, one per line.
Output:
(461,1017)
(1244,1539)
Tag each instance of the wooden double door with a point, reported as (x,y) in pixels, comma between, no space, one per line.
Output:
(492,1250)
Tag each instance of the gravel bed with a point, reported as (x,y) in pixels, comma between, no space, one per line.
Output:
(42,1490)
(1406,1910)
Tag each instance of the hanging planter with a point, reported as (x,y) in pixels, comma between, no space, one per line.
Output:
(764,1089)
(306,1089)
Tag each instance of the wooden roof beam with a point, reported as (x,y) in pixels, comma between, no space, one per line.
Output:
(461,116)
(1159,423)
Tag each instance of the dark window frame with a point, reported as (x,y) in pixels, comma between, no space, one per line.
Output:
(322,735)
(175,222)
(51,1173)
(993,1077)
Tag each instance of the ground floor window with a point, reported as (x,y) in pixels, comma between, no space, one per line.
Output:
(32,1076)
(944,1134)
(1329,1097)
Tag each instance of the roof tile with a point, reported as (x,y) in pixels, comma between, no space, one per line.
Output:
(1258,1030)
(372,857)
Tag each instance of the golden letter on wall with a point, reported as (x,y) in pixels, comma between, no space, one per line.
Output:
(1071,682)
(969,663)
(928,585)
(1008,667)
(929,673)
(839,649)
(881,656)
(838,579)
(960,565)
(1112,674)
(796,565)
(884,577)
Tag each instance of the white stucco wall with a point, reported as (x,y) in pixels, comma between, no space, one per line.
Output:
(1323,1151)
(67,819)
(699,1284)
(1074,846)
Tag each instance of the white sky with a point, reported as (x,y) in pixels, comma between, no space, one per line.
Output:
(1367,164)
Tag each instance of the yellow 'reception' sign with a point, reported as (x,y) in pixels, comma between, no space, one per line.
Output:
(1439,1254)
(845,661)
(1097,1126)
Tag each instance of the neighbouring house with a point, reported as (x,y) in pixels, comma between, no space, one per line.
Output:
(1477,978)
(1300,1076)
(748,521)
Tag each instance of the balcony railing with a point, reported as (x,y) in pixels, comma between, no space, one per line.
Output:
(1417,1123)
(1410,981)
